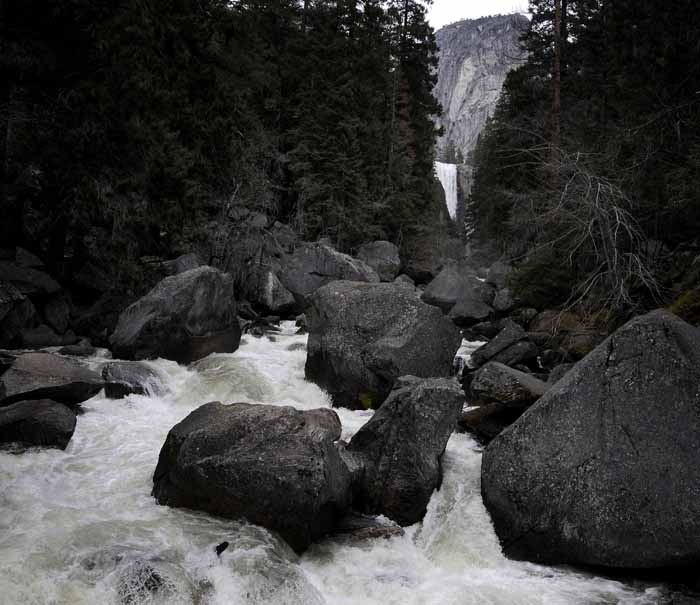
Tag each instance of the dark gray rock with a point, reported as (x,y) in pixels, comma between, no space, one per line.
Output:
(504,300)
(405,280)
(603,469)
(37,423)
(364,336)
(81,349)
(314,265)
(17,314)
(401,446)
(484,330)
(275,466)
(496,382)
(510,334)
(498,274)
(57,313)
(520,353)
(47,376)
(99,320)
(559,372)
(383,257)
(453,284)
(184,318)
(273,296)
(356,527)
(183,263)
(24,258)
(488,421)
(27,280)
(123,378)
(43,336)
(469,310)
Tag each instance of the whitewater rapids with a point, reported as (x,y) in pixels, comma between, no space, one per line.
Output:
(74,524)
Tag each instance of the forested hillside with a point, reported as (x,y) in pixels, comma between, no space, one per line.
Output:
(128,128)
(588,175)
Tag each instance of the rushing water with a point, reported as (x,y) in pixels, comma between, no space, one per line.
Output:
(80,526)
(447,175)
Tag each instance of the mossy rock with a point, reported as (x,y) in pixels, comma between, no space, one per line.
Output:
(687,306)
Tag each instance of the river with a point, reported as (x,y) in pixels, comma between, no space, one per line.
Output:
(76,526)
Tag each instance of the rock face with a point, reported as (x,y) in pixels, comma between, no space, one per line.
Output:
(400,448)
(37,423)
(383,257)
(364,336)
(184,318)
(48,376)
(314,265)
(603,469)
(275,466)
(474,58)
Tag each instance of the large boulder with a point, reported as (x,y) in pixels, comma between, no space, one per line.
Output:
(454,284)
(184,318)
(498,274)
(401,446)
(383,257)
(604,468)
(27,280)
(496,382)
(183,263)
(37,423)
(275,466)
(363,336)
(272,296)
(48,376)
(314,265)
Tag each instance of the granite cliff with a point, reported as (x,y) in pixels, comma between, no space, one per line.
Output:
(475,56)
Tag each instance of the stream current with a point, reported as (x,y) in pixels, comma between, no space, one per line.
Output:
(80,526)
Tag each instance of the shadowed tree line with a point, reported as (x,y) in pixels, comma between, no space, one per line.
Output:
(127,128)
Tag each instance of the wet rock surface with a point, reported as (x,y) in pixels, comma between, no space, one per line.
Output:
(184,318)
(40,422)
(275,466)
(362,337)
(400,448)
(48,376)
(603,469)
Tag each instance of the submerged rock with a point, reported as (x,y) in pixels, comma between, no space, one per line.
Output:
(383,257)
(275,466)
(364,336)
(356,527)
(184,318)
(37,423)
(400,448)
(47,376)
(123,378)
(604,468)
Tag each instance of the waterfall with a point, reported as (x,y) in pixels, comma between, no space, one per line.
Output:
(447,175)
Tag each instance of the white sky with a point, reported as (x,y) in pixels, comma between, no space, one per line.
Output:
(448,11)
